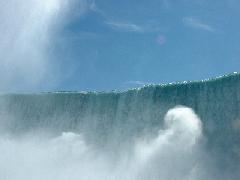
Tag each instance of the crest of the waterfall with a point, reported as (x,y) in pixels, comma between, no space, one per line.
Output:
(27,30)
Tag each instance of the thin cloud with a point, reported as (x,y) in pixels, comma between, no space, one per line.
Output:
(135,83)
(123,25)
(127,27)
(195,23)
(93,7)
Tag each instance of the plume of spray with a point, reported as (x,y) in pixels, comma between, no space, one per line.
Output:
(173,154)
(27,30)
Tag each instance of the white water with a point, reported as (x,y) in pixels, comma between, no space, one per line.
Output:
(173,154)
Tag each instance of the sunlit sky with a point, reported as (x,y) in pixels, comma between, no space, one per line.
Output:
(109,44)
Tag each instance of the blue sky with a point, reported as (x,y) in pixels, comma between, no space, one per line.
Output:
(128,43)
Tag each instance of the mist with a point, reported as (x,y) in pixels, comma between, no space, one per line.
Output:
(28,31)
(175,153)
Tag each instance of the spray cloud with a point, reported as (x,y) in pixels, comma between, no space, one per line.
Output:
(173,154)
(27,30)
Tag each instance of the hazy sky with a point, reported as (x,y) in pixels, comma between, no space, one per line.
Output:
(109,44)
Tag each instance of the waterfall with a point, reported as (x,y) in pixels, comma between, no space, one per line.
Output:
(190,128)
